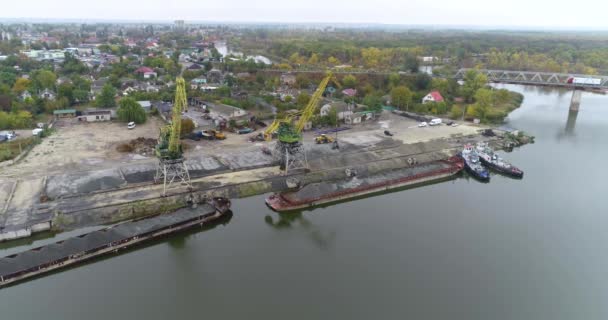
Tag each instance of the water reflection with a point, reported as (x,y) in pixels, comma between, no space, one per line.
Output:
(296,220)
(179,242)
(571,122)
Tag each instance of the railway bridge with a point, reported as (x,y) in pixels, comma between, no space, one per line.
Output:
(576,82)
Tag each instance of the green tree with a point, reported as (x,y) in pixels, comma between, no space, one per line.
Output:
(483,104)
(401,97)
(422,81)
(411,63)
(473,81)
(303,99)
(66,90)
(106,98)
(45,79)
(373,101)
(349,81)
(129,110)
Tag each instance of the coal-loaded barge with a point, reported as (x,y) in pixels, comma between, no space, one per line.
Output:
(326,192)
(37,261)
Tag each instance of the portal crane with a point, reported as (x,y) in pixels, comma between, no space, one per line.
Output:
(287,132)
(289,149)
(171,165)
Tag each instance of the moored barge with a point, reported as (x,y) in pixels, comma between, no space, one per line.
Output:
(327,192)
(44,259)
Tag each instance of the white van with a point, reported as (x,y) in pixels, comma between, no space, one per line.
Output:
(435,122)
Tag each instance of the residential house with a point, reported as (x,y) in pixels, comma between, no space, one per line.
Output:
(243,75)
(25,95)
(146,72)
(342,108)
(194,67)
(146,105)
(214,76)
(197,82)
(433,96)
(47,94)
(97,86)
(288,79)
(349,92)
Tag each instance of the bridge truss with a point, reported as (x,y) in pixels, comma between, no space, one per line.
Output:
(535,78)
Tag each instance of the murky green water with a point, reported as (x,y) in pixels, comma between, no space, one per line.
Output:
(512,249)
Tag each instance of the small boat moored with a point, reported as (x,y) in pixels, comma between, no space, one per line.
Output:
(493,161)
(473,165)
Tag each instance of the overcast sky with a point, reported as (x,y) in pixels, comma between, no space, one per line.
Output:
(514,13)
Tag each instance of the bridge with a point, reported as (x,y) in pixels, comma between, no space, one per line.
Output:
(552,79)
(537,78)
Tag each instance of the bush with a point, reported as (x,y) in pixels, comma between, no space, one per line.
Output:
(456,112)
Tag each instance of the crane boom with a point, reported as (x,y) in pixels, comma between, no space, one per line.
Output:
(285,126)
(180,104)
(169,146)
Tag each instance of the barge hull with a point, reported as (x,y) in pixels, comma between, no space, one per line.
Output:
(13,271)
(280,202)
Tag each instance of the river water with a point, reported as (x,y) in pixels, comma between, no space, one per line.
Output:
(535,248)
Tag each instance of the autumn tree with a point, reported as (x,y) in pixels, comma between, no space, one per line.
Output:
(401,97)
(21,84)
(349,81)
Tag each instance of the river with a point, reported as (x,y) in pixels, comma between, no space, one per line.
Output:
(512,249)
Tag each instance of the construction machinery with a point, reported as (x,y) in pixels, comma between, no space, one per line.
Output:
(171,166)
(289,149)
(323,139)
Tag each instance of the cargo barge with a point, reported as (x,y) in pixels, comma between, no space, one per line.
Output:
(327,192)
(62,254)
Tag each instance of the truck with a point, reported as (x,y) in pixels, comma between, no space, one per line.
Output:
(584,81)
(323,138)
(435,122)
(212,135)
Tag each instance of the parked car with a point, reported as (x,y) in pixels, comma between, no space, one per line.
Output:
(245,130)
(37,131)
(449,123)
(131,125)
(388,133)
(435,122)
(422,124)
(8,134)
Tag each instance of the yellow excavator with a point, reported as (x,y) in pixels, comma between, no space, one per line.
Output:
(289,132)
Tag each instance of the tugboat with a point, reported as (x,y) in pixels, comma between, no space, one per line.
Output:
(473,165)
(491,159)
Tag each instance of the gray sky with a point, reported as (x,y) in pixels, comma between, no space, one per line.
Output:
(516,13)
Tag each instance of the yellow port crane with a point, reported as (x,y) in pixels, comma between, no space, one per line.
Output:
(293,132)
(169,146)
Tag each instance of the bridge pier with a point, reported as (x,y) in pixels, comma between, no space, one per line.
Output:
(575,102)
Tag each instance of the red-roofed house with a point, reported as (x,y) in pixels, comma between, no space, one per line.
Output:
(147,72)
(349,92)
(433,96)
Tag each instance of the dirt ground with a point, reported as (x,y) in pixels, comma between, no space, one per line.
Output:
(81,146)
(86,146)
